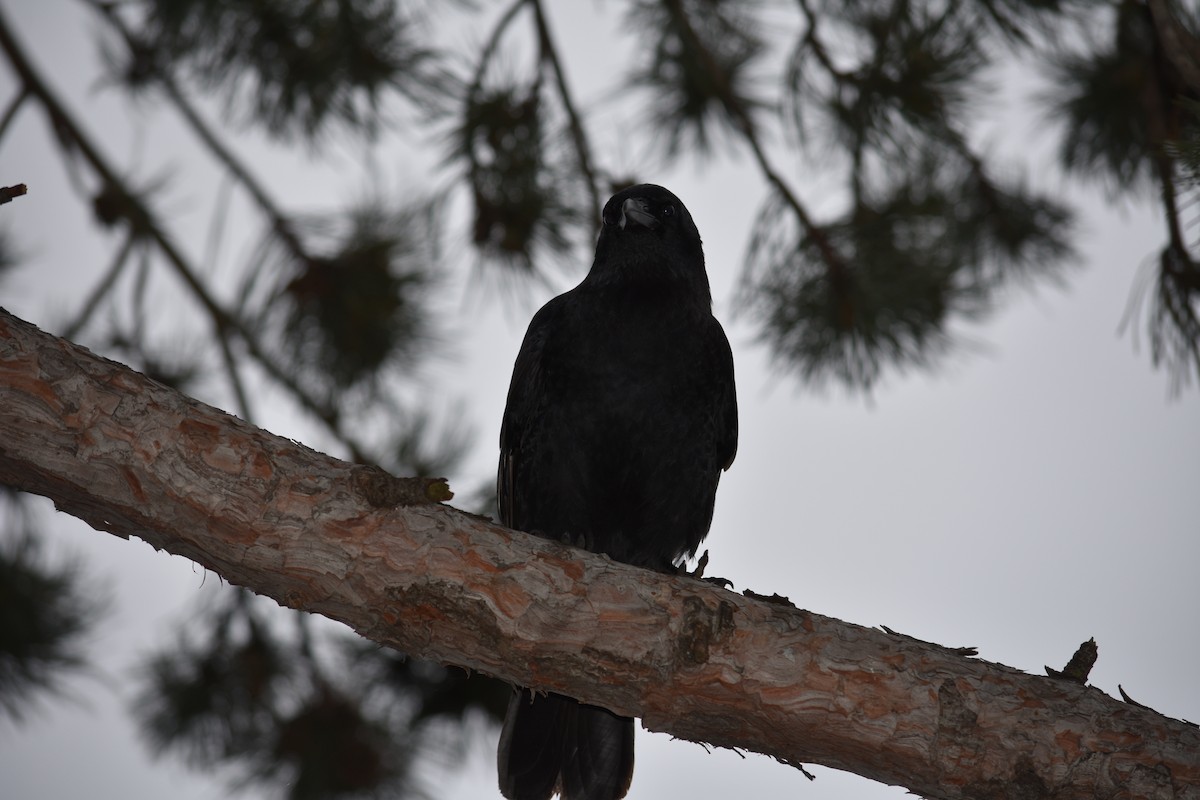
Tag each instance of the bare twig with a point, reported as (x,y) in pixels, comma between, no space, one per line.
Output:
(549,53)
(8,193)
(746,127)
(10,113)
(1179,45)
(490,47)
(103,287)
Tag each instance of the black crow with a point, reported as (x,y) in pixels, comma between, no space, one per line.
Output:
(621,415)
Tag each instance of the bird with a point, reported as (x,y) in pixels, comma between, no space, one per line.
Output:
(621,417)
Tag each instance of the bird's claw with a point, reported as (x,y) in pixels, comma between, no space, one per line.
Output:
(698,573)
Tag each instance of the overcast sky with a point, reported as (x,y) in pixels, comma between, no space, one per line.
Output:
(1040,489)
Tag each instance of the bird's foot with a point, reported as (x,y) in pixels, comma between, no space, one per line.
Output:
(698,573)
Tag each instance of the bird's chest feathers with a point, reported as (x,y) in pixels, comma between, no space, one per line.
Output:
(646,351)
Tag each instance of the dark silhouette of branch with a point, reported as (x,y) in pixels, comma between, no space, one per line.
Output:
(280,222)
(744,124)
(225,323)
(10,193)
(102,287)
(1180,46)
(490,47)
(10,113)
(549,53)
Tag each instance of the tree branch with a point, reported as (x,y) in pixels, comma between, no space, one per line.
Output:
(578,136)
(135,458)
(280,222)
(141,218)
(744,124)
(10,113)
(1179,45)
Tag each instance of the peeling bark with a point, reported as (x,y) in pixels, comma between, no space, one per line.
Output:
(134,458)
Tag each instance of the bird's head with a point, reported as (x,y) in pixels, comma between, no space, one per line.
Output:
(649,234)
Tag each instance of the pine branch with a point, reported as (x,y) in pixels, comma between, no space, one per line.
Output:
(73,138)
(102,287)
(811,21)
(490,49)
(10,113)
(135,458)
(1179,348)
(578,135)
(1180,46)
(280,222)
(749,131)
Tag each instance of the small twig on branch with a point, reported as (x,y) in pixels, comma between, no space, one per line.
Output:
(1080,665)
(967,652)
(7,193)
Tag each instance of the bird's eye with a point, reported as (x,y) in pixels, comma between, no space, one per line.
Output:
(668,211)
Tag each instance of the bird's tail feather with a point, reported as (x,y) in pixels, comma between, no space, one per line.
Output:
(553,743)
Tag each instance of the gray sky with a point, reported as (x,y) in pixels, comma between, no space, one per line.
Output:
(1040,489)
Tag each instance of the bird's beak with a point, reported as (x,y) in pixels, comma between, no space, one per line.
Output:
(636,212)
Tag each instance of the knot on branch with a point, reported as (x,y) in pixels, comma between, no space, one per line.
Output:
(1080,665)
(702,627)
(383,490)
(955,718)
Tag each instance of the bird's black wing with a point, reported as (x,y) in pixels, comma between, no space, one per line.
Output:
(726,422)
(524,407)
